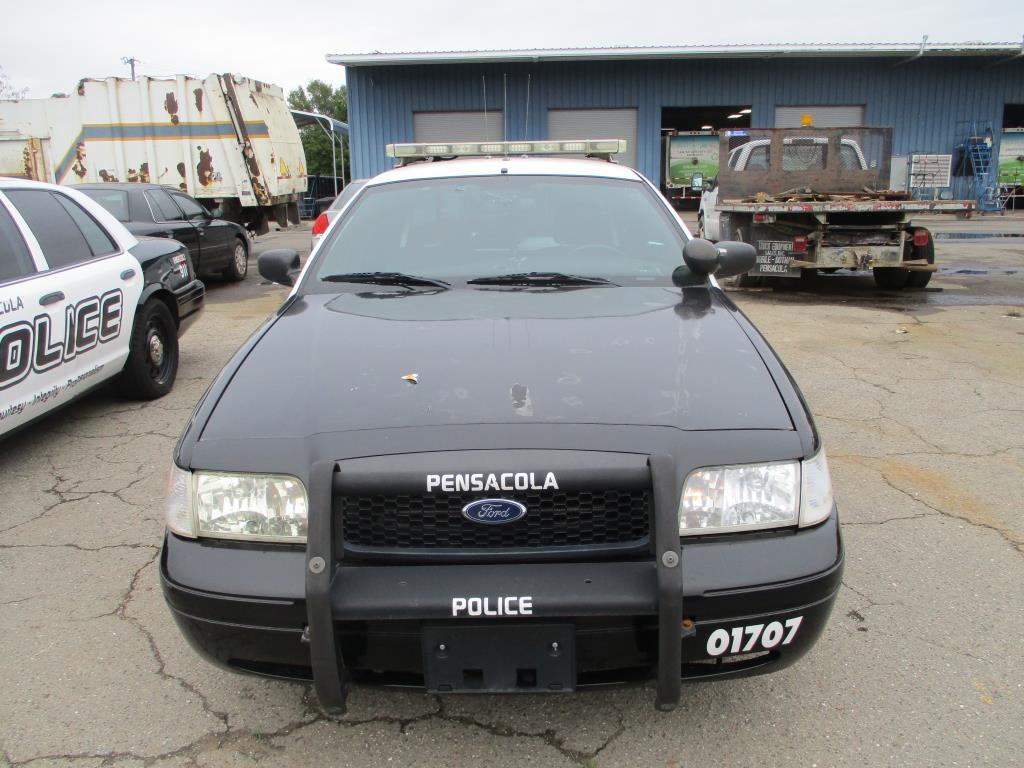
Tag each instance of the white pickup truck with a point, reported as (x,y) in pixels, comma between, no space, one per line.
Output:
(811,198)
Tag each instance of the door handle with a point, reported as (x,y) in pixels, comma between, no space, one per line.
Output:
(128,274)
(52,298)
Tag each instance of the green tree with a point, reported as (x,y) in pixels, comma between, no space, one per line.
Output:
(324,99)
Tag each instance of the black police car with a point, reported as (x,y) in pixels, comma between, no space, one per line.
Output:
(506,434)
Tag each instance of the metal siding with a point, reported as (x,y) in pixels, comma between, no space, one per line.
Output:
(596,124)
(923,100)
(824,116)
(458,126)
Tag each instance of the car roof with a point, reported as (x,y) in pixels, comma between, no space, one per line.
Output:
(10,182)
(125,238)
(125,185)
(514,166)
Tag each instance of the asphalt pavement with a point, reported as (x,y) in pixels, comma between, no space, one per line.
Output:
(920,400)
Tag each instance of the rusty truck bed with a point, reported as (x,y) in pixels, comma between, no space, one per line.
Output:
(847,206)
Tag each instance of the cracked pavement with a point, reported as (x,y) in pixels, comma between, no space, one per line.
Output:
(920,399)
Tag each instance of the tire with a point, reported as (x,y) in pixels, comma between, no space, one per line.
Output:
(746,280)
(239,266)
(152,362)
(891,278)
(927,252)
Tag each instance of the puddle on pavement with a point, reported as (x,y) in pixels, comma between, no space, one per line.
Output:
(976,271)
(960,286)
(974,235)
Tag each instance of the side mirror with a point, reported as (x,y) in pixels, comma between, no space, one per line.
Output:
(217,213)
(697,182)
(280,265)
(700,256)
(735,258)
(724,259)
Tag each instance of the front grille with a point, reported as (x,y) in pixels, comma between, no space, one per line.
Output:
(558,519)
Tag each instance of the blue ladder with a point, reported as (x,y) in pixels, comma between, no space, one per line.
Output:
(978,147)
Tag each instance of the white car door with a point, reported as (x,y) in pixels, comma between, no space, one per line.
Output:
(71,319)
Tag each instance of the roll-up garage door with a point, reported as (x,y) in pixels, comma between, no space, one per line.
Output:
(458,126)
(596,124)
(823,117)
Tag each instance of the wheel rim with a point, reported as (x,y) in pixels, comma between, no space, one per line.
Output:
(157,356)
(241,261)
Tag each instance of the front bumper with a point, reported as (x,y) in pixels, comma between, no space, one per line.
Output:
(246,608)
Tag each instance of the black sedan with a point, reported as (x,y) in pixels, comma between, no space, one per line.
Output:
(511,437)
(218,248)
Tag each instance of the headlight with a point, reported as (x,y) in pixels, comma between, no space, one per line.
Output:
(750,497)
(744,497)
(225,505)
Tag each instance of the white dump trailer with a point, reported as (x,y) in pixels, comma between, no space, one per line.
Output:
(227,140)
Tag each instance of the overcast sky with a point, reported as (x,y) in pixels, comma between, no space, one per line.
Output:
(47,47)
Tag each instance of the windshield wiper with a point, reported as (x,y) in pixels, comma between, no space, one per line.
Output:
(385,278)
(539,278)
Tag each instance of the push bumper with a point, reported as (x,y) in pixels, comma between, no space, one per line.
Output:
(190,299)
(725,606)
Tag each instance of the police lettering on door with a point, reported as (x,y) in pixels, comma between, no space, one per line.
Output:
(31,346)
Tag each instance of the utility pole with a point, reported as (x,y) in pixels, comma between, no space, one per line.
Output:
(131,61)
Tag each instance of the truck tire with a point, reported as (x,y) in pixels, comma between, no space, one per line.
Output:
(152,362)
(746,280)
(927,252)
(891,278)
(239,265)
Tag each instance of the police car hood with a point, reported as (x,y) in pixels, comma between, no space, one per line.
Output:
(386,357)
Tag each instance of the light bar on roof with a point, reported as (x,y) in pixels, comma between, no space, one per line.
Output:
(505,148)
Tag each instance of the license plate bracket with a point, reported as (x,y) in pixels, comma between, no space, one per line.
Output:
(521,658)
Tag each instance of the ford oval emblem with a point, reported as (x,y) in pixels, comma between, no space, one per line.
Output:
(494,511)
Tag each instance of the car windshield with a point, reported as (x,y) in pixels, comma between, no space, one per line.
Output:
(546,227)
(114,200)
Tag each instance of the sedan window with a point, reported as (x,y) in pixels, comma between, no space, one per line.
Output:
(489,226)
(15,259)
(99,241)
(65,232)
(192,209)
(163,206)
(114,200)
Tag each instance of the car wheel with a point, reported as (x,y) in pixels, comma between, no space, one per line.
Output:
(927,252)
(153,354)
(239,266)
(890,278)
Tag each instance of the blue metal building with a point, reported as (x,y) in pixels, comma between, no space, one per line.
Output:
(928,93)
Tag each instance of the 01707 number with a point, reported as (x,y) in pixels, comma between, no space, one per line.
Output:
(748,638)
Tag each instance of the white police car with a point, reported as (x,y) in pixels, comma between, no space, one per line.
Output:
(82,301)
